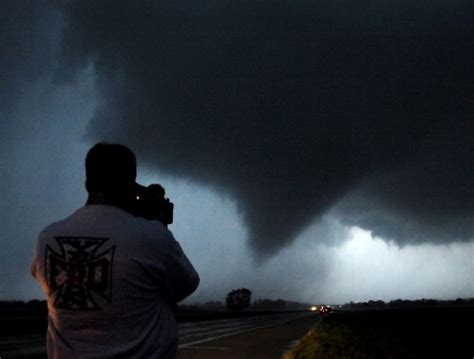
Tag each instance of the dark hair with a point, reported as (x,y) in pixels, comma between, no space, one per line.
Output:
(110,168)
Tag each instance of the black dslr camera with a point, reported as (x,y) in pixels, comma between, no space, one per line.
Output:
(150,203)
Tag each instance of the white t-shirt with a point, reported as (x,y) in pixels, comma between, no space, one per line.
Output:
(111,280)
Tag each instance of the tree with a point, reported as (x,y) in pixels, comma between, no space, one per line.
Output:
(238,299)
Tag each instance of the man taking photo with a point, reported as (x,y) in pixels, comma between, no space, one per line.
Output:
(111,278)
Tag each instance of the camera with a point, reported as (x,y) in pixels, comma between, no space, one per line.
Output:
(150,203)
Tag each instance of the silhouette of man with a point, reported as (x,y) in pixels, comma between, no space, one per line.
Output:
(111,279)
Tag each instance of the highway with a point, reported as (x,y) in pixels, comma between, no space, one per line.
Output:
(194,333)
(268,339)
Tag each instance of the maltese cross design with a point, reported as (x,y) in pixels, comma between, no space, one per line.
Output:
(79,274)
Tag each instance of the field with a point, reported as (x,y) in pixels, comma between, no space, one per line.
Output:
(438,332)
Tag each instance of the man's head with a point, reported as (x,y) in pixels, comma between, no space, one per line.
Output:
(111,169)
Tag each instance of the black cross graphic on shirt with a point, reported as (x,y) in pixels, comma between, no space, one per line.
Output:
(79,271)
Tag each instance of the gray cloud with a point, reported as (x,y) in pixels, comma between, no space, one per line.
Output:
(28,44)
(291,110)
(291,106)
(428,199)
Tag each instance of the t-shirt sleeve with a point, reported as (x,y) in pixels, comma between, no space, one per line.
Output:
(164,264)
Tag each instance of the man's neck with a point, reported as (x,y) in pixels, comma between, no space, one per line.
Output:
(103,198)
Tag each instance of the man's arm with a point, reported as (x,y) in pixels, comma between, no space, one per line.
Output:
(180,279)
(34,264)
(33,269)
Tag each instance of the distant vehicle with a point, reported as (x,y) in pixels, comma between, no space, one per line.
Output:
(325,309)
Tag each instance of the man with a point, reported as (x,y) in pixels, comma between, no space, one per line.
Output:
(111,279)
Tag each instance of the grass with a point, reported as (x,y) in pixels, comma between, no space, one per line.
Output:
(334,338)
(397,334)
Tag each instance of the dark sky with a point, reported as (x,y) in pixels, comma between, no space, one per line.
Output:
(297,110)
(289,106)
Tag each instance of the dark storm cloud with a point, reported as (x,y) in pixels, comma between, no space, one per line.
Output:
(28,36)
(291,105)
(428,198)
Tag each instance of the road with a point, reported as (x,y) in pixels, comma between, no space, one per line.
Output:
(268,339)
(238,337)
